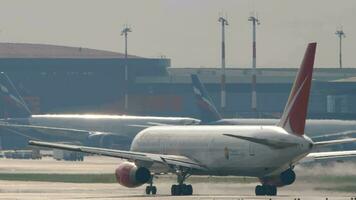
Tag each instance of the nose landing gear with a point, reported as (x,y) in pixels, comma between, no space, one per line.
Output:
(151,189)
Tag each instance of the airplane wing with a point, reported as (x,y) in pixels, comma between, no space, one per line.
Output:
(328,155)
(54,131)
(168,160)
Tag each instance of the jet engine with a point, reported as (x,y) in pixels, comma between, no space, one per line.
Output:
(285,178)
(129,175)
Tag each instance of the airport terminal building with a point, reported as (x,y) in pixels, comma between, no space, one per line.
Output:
(59,79)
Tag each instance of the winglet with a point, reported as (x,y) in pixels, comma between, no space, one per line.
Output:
(208,112)
(295,111)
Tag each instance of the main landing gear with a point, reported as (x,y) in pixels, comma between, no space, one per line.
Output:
(181,188)
(151,189)
(266,190)
(176,190)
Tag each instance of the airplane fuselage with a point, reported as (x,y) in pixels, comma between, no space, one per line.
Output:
(224,155)
(107,123)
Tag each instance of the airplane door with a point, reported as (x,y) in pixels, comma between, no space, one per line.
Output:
(252,149)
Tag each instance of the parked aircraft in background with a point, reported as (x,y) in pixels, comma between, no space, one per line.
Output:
(111,131)
(267,152)
(320,129)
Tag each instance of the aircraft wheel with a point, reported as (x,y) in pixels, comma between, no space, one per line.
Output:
(148,189)
(151,189)
(272,191)
(183,189)
(269,190)
(154,190)
(189,190)
(259,190)
(175,190)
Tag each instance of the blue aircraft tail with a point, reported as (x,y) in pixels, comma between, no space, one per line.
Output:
(208,112)
(13,105)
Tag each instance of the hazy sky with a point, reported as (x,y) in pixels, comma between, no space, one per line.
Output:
(187,31)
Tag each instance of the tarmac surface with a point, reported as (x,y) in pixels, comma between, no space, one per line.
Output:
(303,188)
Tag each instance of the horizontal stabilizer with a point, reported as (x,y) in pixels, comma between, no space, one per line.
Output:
(335,135)
(268,142)
(334,142)
(328,155)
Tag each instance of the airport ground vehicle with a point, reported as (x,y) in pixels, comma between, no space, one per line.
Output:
(59,154)
(23,154)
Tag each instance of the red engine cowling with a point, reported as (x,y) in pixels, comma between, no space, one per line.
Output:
(129,175)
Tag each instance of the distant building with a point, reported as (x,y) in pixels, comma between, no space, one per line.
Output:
(59,79)
(333,92)
(71,79)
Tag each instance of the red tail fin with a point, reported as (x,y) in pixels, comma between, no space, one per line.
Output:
(295,112)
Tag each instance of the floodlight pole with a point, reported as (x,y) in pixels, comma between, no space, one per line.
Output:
(224,23)
(340,33)
(255,22)
(124,33)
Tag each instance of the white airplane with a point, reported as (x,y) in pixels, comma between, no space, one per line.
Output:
(109,131)
(317,129)
(267,152)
